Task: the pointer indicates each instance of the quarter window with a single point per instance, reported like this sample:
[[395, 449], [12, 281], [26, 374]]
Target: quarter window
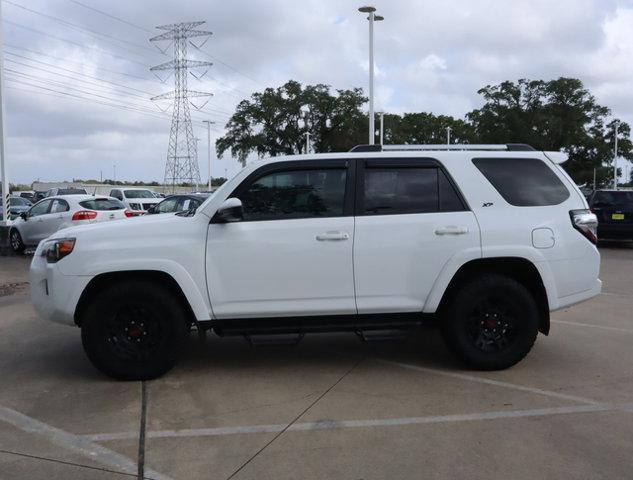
[[59, 206], [523, 182], [295, 194]]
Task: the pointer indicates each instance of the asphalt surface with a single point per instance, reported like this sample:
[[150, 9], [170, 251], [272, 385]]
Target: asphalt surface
[[331, 407]]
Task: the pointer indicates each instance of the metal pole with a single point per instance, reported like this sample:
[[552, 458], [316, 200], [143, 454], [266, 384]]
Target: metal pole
[[594, 179], [208, 122], [372, 132], [382, 130], [448, 135], [3, 160], [307, 134], [114, 168], [615, 157]]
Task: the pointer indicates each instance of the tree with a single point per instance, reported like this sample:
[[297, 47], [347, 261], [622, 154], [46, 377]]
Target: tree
[[272, 122], [553, 115], [426, 128]]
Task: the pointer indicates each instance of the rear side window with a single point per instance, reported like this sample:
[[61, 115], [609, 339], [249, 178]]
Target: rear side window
[[523, 182], [295, 194], [397, 190], [102, 204]]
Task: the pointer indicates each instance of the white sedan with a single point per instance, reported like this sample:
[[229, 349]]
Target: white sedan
[[54, 213]]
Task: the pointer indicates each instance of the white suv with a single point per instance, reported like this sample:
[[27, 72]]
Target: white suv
[[486, 239], [137, 200]]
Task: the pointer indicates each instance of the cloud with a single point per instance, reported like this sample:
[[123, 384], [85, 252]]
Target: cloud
[[431, 56]]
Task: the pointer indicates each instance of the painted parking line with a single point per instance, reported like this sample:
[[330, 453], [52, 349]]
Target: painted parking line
[[489, 381], [603, 327], [341, 424], [77, 443]]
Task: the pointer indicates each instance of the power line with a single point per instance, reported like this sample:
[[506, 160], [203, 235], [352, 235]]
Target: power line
[[70, 71], [80, 63], [94, 33], [72, 42], [111, 16]]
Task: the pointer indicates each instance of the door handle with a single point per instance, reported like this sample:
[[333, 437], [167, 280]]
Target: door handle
[[332, 236], [451, 230]]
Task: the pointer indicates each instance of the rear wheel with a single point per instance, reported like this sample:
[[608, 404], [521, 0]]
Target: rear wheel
[[134, 330], [15, 239], [491, 322]]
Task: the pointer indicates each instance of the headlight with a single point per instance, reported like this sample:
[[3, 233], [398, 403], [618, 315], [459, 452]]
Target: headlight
[[55, 250]]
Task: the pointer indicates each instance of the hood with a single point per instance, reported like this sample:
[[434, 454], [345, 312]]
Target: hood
[[142, 226]]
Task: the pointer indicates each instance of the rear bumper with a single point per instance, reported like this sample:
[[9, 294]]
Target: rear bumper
[[568, 300], [619, 231]]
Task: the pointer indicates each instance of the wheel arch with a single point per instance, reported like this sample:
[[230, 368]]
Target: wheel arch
[[104, 279], [518, 268]]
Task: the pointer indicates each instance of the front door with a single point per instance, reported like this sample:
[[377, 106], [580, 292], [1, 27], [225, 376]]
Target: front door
[[410, 222], [291, 254], [33, 228]]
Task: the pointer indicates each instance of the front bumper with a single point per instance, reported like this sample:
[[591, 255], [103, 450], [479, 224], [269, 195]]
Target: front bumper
[[53, 294]]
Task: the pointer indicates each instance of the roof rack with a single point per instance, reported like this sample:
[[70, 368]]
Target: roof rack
[[507, 147]]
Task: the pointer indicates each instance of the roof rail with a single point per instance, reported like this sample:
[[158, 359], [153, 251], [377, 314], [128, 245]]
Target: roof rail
[[508, 147]]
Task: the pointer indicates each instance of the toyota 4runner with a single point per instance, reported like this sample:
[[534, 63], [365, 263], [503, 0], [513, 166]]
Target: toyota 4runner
[[485, 239]]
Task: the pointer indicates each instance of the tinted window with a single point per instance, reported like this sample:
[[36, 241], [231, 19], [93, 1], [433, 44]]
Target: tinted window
[[450, 201], [390, 191], [139, 194], [295, 194], [59, 206], [40, 208], [621, 199], [102, 204], [523, 182], [71, 191]]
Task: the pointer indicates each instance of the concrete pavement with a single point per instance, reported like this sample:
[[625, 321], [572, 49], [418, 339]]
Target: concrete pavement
[[330, 407]]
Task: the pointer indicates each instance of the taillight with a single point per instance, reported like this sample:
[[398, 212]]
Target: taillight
[[128, 214], [84, 215], [586, 223]]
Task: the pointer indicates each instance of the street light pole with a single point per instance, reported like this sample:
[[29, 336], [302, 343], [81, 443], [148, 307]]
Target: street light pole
[[209, 123], [448, 135], [307, 134], [372, 17], [3, 160], [615, 157], [382, 129]]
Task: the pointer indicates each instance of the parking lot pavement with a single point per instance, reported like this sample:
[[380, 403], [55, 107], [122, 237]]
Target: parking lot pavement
[[330, 407]]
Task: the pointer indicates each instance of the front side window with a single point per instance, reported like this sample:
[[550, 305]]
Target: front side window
[[40, 208], [295, 194], [523, 182], [167, 206]]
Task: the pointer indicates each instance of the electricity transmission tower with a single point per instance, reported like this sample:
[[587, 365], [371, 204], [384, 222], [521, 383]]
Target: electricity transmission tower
[[182, 153]]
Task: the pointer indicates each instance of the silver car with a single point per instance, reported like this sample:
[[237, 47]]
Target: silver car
[[54, 213]]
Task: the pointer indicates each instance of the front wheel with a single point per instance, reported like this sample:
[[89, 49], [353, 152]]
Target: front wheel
[[134, 330], [15, 239], [491, 322]]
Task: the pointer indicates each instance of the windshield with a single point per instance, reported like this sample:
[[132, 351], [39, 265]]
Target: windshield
[[139, 194], [102, 204], [613, 199]]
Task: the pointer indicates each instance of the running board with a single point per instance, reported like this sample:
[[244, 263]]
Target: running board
[[274, 339], [318, 324]]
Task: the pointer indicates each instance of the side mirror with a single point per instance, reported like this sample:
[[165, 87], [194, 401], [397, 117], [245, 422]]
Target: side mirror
[[229, 211], [24, 216], [151, 209]]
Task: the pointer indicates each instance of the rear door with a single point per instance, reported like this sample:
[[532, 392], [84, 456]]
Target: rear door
[[59, 216], [291, 255], [410, 220]]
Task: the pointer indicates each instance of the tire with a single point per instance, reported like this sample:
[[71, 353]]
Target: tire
[[134, 330], [491, 322], [15, 240]]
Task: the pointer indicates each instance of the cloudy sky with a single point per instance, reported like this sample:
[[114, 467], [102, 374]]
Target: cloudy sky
[[77, 80]]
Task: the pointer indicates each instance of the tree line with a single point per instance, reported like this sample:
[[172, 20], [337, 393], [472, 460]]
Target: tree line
[[558, 114]]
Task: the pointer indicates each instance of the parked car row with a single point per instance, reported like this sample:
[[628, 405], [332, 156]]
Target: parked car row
[[33, 223]]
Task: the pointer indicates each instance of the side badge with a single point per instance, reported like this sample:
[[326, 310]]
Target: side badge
[[488, 204]]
